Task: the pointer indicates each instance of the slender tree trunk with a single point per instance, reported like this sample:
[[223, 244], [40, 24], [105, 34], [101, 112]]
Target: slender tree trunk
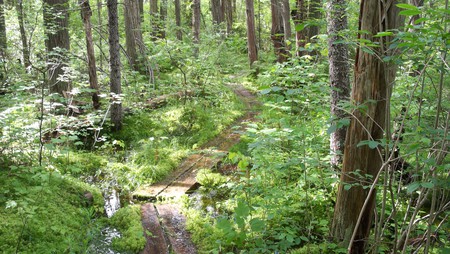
[[277, 31], [196, 25], [299, 18], [216, 11], [313, 14], [339, 74], [23, 35], [2, 29], [179, 32], [228, 12], [114, 54], [100, 25], [163, 17], [155, 20], [56, 20], [86, 14], [286, 14], [371, 87], [251, 37]]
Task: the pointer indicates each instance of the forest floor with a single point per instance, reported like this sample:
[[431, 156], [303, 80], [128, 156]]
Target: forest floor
[[164, 224]]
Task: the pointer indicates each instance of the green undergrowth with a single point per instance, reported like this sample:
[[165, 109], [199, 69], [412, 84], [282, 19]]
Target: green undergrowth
[[128, 221], [44, 212], [280, 196]]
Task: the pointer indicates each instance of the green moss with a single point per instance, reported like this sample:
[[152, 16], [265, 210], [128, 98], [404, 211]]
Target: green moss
[[128, 221], [78, 163], [42, 212]]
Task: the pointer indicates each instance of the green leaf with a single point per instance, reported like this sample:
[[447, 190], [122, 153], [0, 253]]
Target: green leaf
[[409, 12], [427, 185], [407, 6], [373, 144], [412, 187], [257, 225], [347, 187], [382, 34], [242, 209]]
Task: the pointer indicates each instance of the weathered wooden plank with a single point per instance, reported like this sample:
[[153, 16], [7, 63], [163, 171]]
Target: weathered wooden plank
[[175, 227], [156, 242]]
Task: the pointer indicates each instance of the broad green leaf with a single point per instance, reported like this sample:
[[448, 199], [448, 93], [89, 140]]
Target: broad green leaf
[[409, 12], [382, 34], [412, 187], [427, 185], [257, 225], [242, 210], [407, 6]]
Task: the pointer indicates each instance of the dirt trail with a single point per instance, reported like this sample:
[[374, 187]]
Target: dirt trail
[[163, 224]]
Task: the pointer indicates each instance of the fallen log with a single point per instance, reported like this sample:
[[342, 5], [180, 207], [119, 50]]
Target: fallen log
[[162, 100]]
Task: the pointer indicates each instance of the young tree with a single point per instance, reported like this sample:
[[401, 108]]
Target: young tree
[[23, 35], [277, 31], [86, 14], [371, 94], [228, 12], [216, 12], [2, 30], [178, 20], [196, 24], [286, 15], [114, 55], [56, 20], [305, 13], [163, 17], [251, 37], [339, 73], [133, 34]]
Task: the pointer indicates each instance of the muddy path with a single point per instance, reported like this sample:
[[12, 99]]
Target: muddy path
[[163, 223]]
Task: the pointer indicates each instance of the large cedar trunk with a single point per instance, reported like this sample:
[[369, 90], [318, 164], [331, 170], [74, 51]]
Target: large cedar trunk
[[339, 74], [251, 37], [371, 88], [286, 14], [23, 35], [56, 20], [216, 11], [228, 14], [277, 31], [86, 14], [114, 55]]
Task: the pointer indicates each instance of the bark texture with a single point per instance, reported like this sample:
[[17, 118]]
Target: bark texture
[[2, 29], [163, 17], [196, 24], [23, 34], [56, 20], [251, 36], [339, 73], [228, 12], [371, 88], [217, 11], [86, 14], [114, 55], [133, 34], [178, 20], [277, 31]]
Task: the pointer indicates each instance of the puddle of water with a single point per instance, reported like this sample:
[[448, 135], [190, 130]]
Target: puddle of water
[[102, 245]]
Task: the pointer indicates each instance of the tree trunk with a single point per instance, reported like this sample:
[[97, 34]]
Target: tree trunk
[[277, 31], [133, 34], [56, 20], [2, 29], [86, 14], [216, 11], [339, 74], [371, 88], [251, 37], [313, 14], [154, 19], [196, 25], [228, 13], [179, 32], [141, 10], [23, 35], [114, 55], [100, 25], [163, 17], [299, 17], [286, 14]]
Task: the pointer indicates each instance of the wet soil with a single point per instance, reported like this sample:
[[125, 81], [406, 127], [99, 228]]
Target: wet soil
[[164, 224]]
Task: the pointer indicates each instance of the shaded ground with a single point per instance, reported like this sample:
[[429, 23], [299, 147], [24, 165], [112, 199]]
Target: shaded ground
[[164, 225]]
